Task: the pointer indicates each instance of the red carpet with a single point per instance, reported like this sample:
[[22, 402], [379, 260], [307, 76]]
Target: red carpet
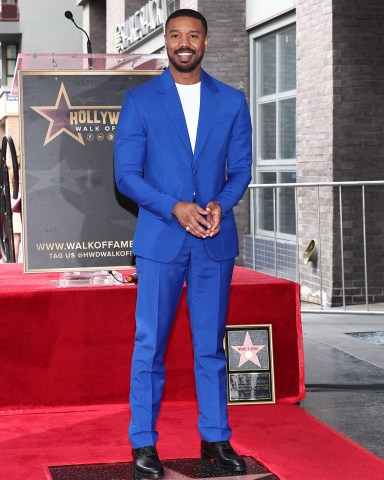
[[284, 438], [73, 346]]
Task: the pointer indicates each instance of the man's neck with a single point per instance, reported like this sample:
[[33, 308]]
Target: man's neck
[[185, 78]]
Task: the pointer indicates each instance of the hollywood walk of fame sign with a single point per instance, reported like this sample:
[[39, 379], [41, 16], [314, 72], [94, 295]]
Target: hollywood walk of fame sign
[[73, 217], [250, 374]]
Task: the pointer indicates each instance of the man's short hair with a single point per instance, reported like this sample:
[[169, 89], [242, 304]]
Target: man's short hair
[[188, 12]]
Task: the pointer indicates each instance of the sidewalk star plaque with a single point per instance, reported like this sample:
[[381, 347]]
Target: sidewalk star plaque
[[250, 374]]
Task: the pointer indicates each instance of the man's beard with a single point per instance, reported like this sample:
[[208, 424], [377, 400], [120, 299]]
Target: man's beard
[[186, 68]]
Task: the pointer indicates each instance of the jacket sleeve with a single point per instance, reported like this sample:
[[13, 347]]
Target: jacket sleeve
[[130, 159], [239, 160]]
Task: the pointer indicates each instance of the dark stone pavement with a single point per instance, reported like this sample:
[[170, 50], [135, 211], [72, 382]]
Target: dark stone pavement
[[344, 375]]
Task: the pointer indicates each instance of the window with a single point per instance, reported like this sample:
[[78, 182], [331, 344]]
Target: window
[[282, 198], [275, 129], [9, 11], [10, 63], [173, 5]]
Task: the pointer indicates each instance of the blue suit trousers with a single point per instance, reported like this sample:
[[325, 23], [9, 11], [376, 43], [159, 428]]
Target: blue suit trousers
[[159, 289]]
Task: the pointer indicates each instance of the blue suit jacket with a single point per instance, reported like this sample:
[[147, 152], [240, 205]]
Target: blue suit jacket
[[155, 166]]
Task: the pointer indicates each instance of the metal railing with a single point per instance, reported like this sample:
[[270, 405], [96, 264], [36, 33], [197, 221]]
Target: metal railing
[[315, 189]]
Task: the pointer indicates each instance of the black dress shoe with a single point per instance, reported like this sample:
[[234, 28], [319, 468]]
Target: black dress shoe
[[223, 454], [147, 463]]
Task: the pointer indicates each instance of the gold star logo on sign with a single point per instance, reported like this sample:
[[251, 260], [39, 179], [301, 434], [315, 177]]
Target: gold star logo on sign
[[63, 117], [58, 117]]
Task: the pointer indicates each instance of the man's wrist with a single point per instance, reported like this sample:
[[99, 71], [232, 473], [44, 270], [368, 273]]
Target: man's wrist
[[174, 208], [215, 202]]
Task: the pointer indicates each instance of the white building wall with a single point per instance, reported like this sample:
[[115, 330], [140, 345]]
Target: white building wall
[[115, 15], [189, 4], [45, 29], [258, 11]]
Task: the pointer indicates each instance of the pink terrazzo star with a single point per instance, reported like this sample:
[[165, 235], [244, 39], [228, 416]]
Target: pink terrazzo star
[[248, 351]]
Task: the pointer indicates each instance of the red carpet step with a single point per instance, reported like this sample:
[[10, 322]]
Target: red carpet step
[[73, 346], [285, 439]]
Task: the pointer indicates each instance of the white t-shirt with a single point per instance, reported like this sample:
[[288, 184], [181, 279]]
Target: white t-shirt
[[190, 100]]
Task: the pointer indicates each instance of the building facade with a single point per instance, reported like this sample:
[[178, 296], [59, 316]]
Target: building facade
[[35, 28], [318, 109], [312, 73]]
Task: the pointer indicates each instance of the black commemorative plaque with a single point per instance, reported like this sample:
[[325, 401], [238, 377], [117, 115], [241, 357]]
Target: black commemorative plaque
[[250, 374]]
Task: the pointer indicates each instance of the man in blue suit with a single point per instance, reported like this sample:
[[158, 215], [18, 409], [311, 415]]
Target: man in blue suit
[[183, 153]]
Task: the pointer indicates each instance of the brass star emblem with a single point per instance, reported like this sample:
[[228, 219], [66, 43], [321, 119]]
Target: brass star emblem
[[58, 117]]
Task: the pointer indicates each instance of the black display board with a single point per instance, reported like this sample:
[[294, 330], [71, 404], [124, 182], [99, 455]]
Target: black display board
[[73, 217]]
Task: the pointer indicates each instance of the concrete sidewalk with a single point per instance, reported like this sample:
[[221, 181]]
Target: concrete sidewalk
[[344, 376]]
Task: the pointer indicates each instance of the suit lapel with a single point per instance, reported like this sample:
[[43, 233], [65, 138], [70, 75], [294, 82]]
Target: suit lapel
[[209, 104], [171, 102]]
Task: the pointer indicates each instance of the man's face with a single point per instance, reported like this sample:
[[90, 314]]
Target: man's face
[[186, 42]]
